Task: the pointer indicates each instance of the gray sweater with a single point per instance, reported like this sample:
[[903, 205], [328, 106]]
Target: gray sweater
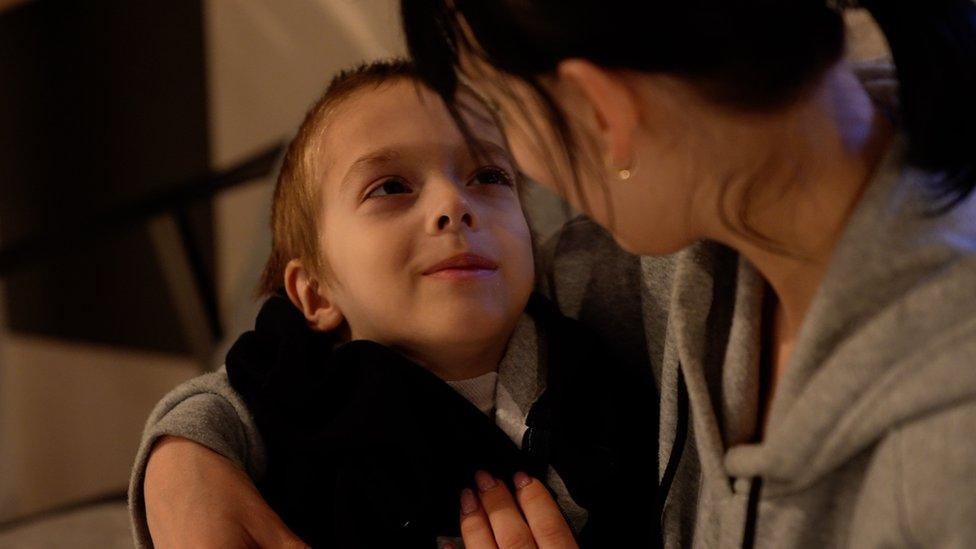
[[871, 439]]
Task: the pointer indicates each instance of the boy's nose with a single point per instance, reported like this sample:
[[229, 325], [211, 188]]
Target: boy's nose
[[445, 221], [451, 213]]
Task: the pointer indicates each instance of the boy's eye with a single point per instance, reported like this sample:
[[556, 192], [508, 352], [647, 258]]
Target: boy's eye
[[389, 187], [493, 176]]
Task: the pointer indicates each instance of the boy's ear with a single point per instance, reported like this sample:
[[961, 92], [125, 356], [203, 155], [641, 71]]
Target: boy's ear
[[313, 299]]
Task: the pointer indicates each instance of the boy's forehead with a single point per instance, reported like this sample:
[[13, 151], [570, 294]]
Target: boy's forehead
[[404, 115]]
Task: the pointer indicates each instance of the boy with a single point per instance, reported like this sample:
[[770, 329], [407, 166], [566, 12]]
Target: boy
[[401, 349]]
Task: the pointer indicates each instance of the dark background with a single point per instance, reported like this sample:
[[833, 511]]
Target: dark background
[[102, 103]]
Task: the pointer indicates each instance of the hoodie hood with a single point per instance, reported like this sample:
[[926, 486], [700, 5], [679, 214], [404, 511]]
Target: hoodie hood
[[885, 337]]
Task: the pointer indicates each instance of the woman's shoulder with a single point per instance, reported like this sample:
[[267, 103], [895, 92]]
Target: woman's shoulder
[[583, 257], [582, 261]]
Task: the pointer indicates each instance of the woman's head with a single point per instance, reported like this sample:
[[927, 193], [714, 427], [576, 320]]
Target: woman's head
[[385, 223], [737, 60]]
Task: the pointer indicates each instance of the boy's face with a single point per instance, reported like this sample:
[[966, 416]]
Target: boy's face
[[424, 245]]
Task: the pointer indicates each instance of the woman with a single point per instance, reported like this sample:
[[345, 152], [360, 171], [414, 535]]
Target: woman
[[820, 305], [807, 276]]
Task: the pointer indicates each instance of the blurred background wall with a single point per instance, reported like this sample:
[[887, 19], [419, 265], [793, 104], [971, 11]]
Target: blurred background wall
[[109, 108], [109, 103]]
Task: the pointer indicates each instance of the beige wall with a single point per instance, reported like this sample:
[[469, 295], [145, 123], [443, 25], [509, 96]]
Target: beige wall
[[864, 38], [70, 418]]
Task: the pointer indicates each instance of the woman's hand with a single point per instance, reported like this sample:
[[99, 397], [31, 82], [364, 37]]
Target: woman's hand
[[493, 518], [198, 498]]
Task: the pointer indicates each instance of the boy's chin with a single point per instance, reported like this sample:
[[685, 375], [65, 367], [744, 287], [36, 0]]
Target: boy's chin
[[463, 322]]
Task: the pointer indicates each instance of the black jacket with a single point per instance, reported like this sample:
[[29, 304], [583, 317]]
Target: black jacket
[[368, 449]]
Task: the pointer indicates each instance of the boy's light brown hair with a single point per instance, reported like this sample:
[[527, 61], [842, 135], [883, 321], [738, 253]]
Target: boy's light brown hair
[[296, 204]]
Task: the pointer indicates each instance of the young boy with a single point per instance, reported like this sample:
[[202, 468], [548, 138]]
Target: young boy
[[401, 348]]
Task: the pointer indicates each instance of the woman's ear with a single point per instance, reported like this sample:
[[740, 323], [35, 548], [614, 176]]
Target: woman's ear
[[313, 299], [613, 103]]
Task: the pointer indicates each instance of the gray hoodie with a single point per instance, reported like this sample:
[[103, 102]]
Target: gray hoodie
[[871, 440]]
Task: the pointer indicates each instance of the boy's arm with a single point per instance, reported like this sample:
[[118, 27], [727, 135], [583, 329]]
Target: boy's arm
[[208, 412]]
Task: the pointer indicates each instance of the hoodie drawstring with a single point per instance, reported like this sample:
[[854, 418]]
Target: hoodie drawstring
[[752, 513], [680, 436]]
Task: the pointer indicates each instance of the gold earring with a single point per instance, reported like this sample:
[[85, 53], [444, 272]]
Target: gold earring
[[626, 172], [622, 173]]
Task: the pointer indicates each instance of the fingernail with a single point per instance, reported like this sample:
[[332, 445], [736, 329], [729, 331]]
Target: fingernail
[[484, 481], [469, 503], [522, 480]]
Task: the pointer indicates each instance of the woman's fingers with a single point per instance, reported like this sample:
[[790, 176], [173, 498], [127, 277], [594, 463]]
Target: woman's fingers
[[546, 522], [475, 527], [507, 523], [494, 518]]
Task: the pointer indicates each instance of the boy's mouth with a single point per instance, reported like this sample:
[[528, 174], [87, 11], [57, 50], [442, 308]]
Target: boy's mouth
[[466, 265]]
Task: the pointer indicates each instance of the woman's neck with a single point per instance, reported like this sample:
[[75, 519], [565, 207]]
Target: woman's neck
[[827, 149]]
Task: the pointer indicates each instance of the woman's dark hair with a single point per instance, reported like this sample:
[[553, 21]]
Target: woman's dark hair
[[750, 54]]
